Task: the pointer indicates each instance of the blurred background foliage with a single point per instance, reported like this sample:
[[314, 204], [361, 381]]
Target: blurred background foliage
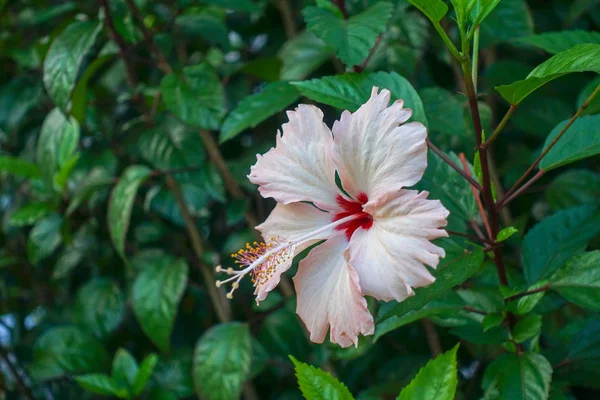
[[127, 129]]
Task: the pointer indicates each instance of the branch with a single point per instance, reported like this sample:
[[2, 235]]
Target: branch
[[556, 139], [507, 199], [363, 64], [287, 17], [470, 237], [499, 128], [527, 293], [220, 304], [474, 310], [341, 4], [451, 163], [477, 199], [433, 339], [21, 386]]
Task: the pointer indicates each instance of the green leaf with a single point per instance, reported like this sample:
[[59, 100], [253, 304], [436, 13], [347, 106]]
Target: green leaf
[[205, 26], [581, 140], [581, 58], [67, 350], [254, 109], [578, 280], [527, 303], [18, 167], [593, 106], [100, 306], [316, 384], [492, 320], [64, 59], [195, 96], [237, 5], [447, 185], [301, 56], [506, 233], [156, 294], [555, 42], [435, 381], [523, 376], [450, 273], [351, 39], [17, 99], [30, 214], [124, 368], [447, 305], [97, 179], [44, 238], [552, 242], [505, 20], [351, 90], [444, 111], [58, 141], [578, 8], [175, 374], [101, 384], [482, 9], [121, 204], [79, 96], [144, 373], [574, 188], [527, 327], [222, 361], [433, 9]]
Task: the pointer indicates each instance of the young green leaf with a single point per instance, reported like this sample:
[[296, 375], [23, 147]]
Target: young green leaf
[[552, 242], [222, 361], [527, 327], [435, 381], [492, 320], [195, 96], [506, 233], [433, 9], [581, 58], [523, 376], [44, 238], [156, 294], [580, 141], [143, 376], [351, 90], [57, 143], [64, 58], [555, 42], [351, 39], [30, 214], [101, 384], [121, 204], [257, 107], [100, 307], [578, 280], [19, 167], [450, 273], [317, 384], [124, 368]]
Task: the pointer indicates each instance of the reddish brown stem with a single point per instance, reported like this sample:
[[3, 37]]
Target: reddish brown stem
[[556, 139], [527, 293], [341, 4], [474, 310], [507, 199], [467, 236], [477, 199], [452, 164], [361, 67]]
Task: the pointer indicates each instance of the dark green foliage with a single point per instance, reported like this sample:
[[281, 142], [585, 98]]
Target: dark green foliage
[[127, 133]]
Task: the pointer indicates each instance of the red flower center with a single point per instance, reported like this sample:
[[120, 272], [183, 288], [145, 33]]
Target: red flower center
[[353, 207]]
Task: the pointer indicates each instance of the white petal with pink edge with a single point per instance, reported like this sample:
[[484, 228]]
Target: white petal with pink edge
[[329, 295], [291, 221], [300, 166], [400, 239], [373, 153]]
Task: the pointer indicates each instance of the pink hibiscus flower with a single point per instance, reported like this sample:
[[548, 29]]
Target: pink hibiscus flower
[[376, 233]]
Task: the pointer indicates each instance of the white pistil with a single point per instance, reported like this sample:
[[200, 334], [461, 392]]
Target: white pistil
[[278, 250]]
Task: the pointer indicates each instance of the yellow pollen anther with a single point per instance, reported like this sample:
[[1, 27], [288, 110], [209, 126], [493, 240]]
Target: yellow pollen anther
[[229, 296], [218, 283], [218, 268]]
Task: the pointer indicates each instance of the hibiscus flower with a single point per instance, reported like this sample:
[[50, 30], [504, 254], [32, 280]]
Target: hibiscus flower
[[374, 235]]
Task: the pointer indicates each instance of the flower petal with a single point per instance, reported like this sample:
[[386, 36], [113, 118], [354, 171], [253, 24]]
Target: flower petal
[[375, 155], [300, 166], [398, 244], [291, 221], [329, 295]]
